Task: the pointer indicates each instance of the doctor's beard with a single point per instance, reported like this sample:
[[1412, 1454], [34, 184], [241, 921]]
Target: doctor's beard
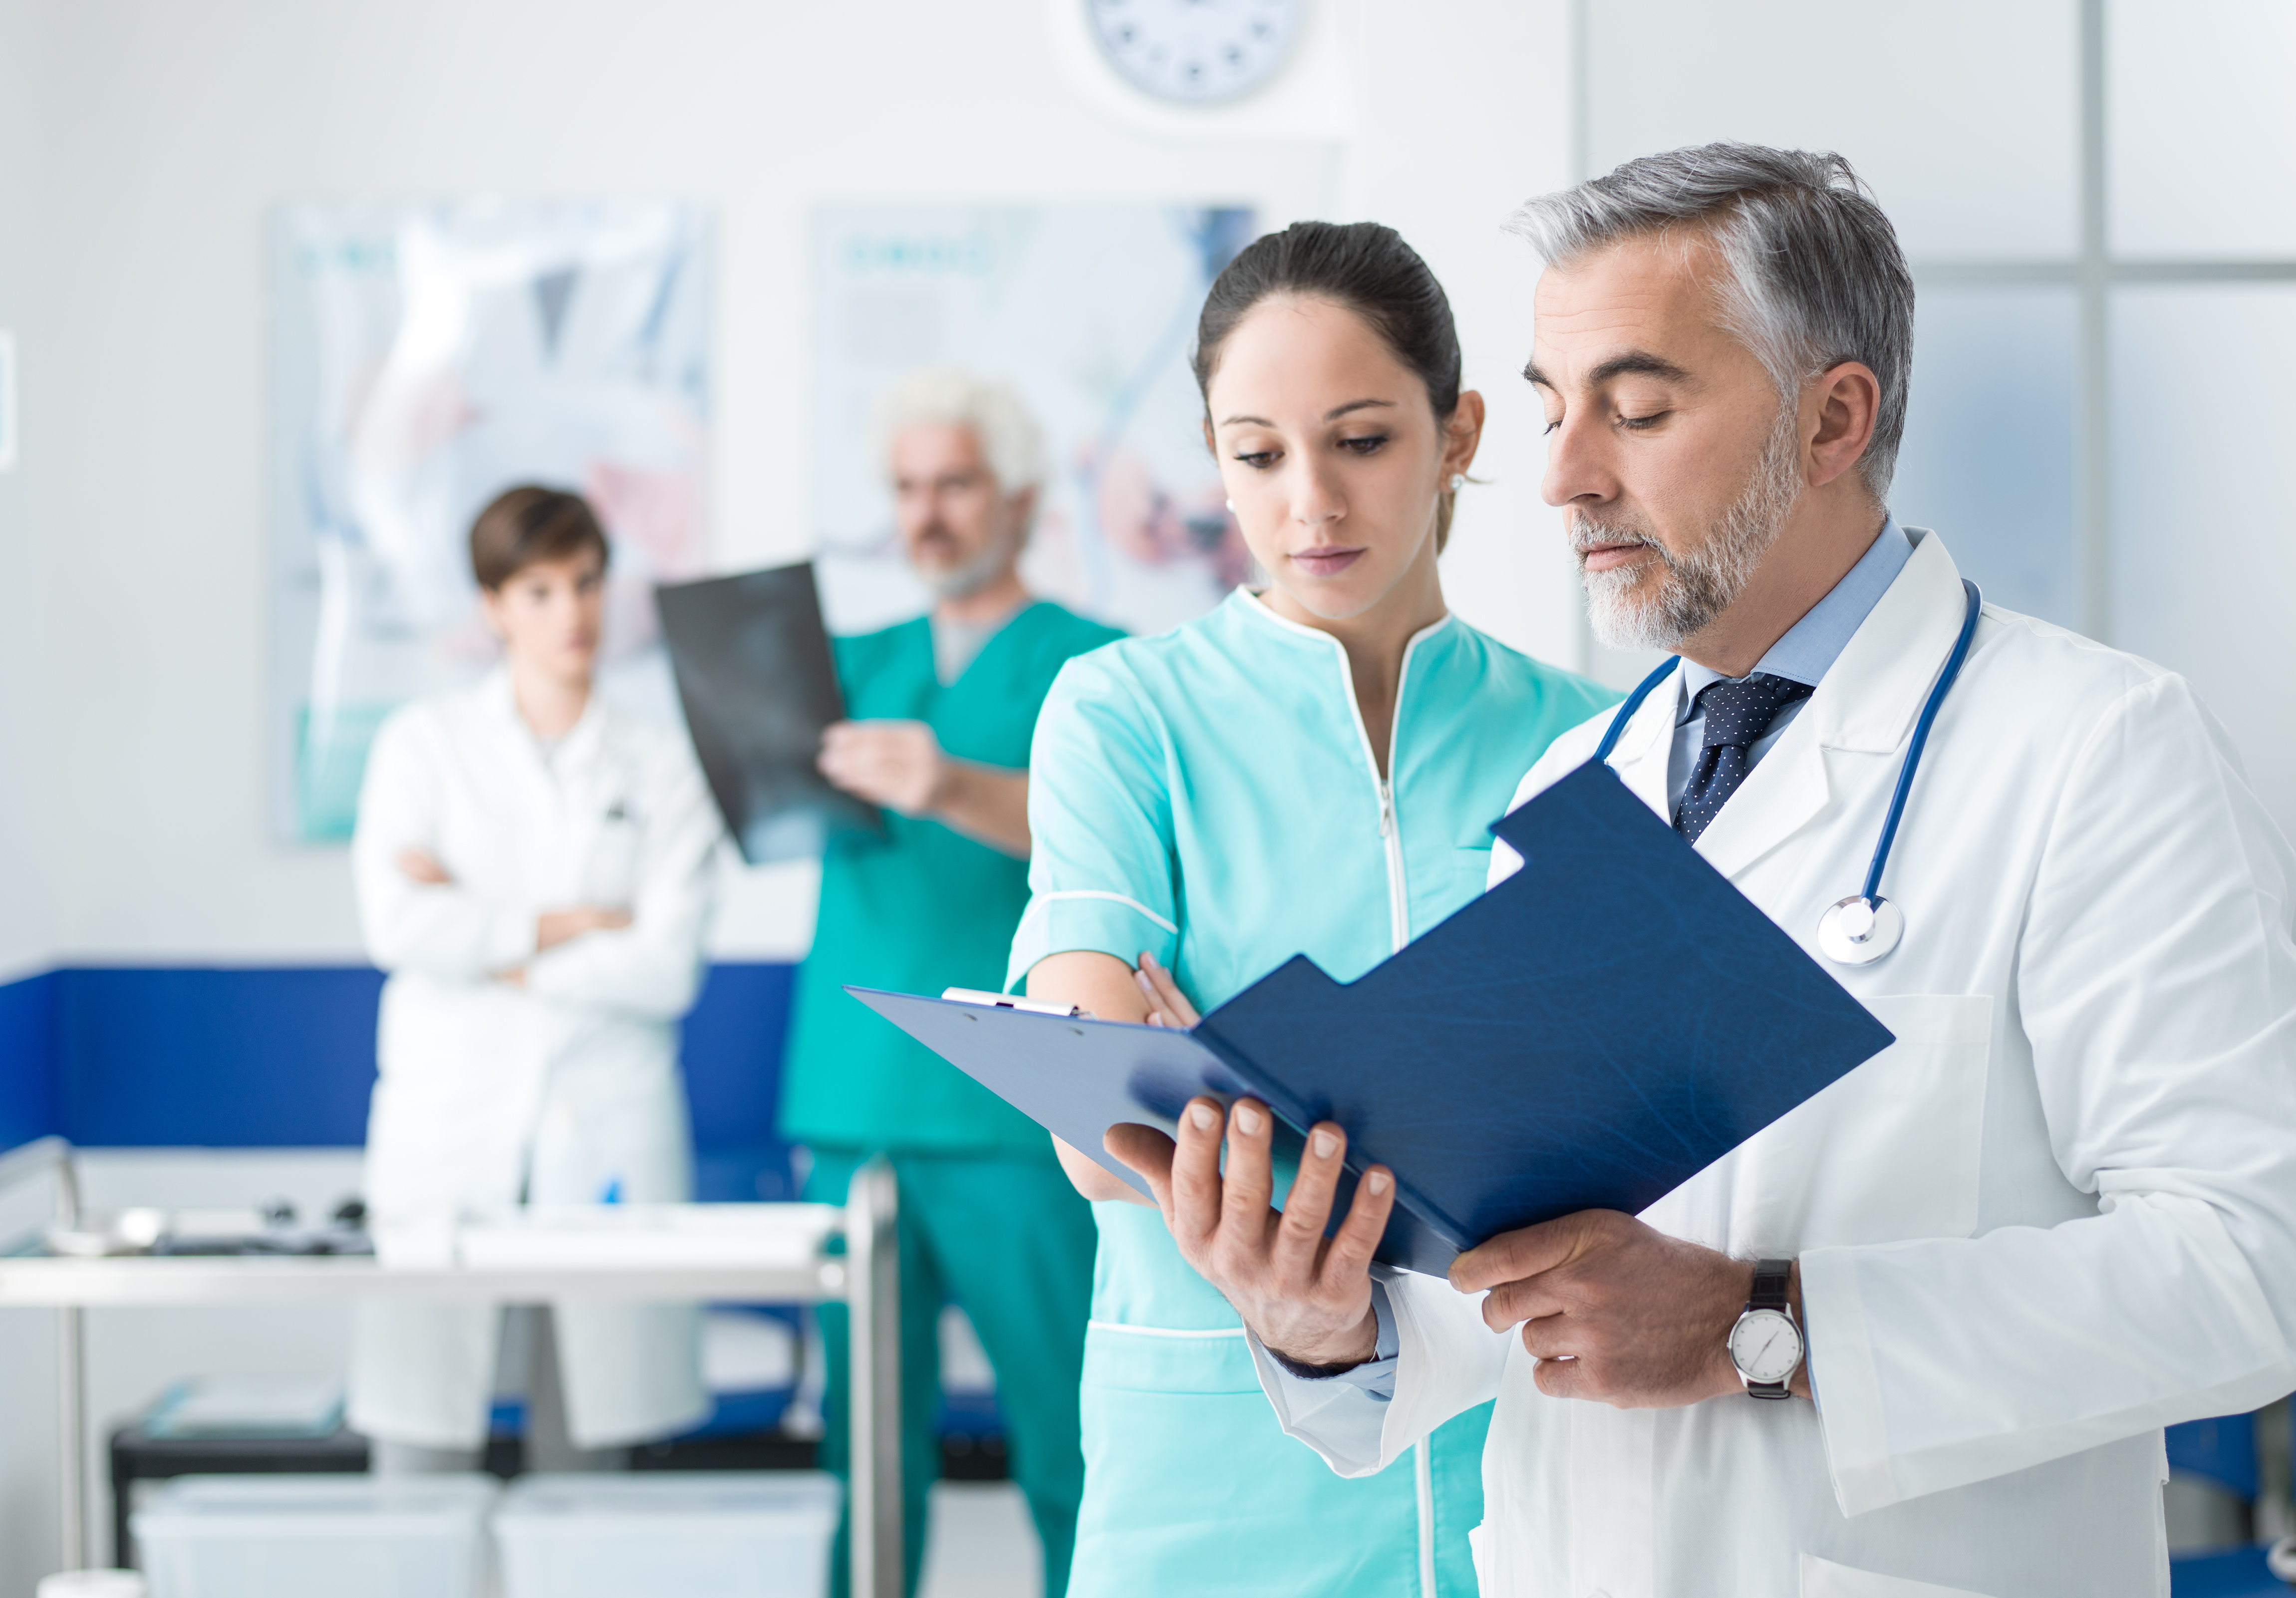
[[961, 579], [1698, 585]]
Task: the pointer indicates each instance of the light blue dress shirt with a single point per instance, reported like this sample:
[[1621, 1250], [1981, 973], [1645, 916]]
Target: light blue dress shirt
[[1805, 654], [1808, 649]]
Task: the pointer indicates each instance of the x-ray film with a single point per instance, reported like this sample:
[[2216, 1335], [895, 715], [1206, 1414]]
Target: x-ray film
[[758, 684]]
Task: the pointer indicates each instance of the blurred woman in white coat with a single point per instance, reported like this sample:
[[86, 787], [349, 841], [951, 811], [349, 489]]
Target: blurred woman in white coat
[[533, 870]]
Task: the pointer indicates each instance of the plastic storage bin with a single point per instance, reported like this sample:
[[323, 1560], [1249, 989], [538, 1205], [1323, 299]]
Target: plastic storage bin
[[316, 1537], [668, 1534]]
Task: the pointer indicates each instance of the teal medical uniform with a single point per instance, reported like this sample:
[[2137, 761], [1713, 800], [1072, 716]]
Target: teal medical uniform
[[987, 1217], [1210, 796]]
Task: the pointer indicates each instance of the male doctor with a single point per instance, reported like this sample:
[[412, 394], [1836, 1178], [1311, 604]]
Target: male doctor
[[1981, 1273]]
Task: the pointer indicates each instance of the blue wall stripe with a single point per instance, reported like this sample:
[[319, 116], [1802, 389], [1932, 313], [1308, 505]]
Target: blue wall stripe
[[27, 1060], [250, 1058], [284, 1057]]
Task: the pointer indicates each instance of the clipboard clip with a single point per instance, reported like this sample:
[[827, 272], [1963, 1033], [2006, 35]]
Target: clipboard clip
[[1005, 1001]]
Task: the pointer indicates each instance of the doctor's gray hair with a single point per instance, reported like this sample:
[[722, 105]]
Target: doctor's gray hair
[[1009, 438], [1815, 275]]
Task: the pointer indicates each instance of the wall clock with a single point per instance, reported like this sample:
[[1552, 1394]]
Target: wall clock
[[1196, 52]]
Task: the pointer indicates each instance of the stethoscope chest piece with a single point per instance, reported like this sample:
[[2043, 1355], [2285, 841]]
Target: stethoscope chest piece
[[1858, 930]]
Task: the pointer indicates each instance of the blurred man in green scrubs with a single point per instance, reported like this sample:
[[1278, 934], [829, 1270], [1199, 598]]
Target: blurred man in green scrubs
[[942, 710]]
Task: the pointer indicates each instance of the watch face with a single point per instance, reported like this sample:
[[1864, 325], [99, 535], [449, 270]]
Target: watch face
[[1764, 1345], [1196, 50]]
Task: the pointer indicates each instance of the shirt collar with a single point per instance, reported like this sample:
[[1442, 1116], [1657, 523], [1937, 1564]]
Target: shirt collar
[[1812, 644]]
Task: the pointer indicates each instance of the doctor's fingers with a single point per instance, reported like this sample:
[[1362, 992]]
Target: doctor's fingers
[[1532, 1300], [1149, 1153], [1250, 1178], [1565, 1376], [1559, 1336], [1519, 1255], [1196, 1210], [1347, 1260], [1298, 1245]]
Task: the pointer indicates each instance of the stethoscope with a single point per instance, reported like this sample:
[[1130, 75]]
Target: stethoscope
[[1861, 929]]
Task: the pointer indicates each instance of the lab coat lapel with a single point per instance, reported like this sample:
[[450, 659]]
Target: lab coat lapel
[[585, 742], [1866, 706], [1644, 749]]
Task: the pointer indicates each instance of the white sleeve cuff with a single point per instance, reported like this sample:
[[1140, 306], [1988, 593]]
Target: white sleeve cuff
[[1341, 1417]]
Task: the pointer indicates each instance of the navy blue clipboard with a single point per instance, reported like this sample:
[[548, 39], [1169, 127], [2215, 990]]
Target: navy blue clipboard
[[1591, 1034]]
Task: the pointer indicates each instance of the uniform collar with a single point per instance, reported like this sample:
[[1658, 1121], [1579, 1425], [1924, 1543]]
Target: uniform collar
[[1244, 601]]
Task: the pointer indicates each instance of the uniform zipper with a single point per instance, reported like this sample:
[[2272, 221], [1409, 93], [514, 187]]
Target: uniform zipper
[[1390, 831], [1422, 1481], [1399, 900], [1399, 931]]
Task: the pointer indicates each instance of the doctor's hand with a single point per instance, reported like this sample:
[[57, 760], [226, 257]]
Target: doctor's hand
[[901, 765], [1615, 1310], [896, 763], [554, 927], [1306, 1296], [420, 865]]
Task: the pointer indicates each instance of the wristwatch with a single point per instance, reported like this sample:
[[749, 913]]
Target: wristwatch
[[1765, 1343]]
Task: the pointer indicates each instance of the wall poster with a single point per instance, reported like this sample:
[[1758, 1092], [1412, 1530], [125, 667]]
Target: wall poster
[[426, 357], [1089, 312]]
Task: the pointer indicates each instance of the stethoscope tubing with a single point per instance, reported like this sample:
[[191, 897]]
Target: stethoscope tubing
[[1953, 664]]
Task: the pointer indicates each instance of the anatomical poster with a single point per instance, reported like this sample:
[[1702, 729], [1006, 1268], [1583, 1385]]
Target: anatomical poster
[[1088, 311], [426, 357]]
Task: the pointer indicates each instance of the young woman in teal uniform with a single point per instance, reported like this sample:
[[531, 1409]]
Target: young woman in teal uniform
[[1311, 768]]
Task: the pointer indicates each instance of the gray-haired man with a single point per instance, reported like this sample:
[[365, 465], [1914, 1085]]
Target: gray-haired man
[[943, 708], [2057, 1214]]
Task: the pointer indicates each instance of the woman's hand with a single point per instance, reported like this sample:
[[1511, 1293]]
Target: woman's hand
[[1168, 1006], [1307, 1297], [554, 927], [420, 865]]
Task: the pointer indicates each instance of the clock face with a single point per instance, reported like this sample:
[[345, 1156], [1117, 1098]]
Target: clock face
[[1196, 51]]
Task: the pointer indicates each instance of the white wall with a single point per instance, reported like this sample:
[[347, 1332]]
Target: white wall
[[170, 128], [25, 667]]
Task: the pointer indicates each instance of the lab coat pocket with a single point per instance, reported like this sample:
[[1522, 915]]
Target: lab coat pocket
[[1888, 1152], [1823, 1579]]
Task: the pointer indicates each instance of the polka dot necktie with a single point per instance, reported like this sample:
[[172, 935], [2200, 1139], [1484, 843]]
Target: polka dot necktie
[[1737, 715]]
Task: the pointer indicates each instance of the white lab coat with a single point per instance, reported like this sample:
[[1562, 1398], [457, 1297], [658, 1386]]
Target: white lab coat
[[559, 1092], [2059, 1214]]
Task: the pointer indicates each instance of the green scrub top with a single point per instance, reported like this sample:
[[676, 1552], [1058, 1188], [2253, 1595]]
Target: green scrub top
[[923, 907], [1210, 796]]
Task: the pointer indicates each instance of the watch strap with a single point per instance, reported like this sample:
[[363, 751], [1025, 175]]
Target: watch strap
[[1772, 1277]]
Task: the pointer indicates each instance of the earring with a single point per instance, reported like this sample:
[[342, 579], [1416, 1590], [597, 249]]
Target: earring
[[1230, 505], [1458, 481]]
